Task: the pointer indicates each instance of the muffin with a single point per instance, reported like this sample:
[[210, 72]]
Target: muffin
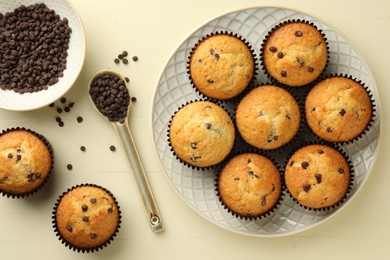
[[318, 176], [86, 217], [338, 109], [221, 66], [201, 134], [268, 117], [295, 53], [249, 185], [26, 161]]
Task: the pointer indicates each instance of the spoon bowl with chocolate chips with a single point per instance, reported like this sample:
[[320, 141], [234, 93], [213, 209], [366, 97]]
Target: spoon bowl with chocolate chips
[[109, 95]]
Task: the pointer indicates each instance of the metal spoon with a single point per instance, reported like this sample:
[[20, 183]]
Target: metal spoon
[[128, 145]]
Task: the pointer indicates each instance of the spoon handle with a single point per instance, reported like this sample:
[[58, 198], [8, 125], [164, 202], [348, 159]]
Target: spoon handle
[[141, 179]]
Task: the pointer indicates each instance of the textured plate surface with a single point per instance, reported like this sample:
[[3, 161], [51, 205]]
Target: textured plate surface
[[13, 101], [197, 188]]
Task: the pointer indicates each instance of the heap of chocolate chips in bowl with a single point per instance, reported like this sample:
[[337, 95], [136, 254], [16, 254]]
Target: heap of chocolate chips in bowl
[[111, 97], [34, 41]]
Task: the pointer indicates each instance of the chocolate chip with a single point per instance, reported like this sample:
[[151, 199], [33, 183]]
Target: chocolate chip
[[276, 137], [341, 170], [216, 56], [263, 200], [261, 113], [31, 177], [280, 55], [18, 157], [135, 58], [110, 210], [93, 236], [59, 110], [320, 151], [300, 62], [250, 172], [124, 53], [69, 228], [318, 177], [71, 104], [84, 208], [127, 79], [304, 165], [211, 52], [329, 129], [61, 124], [342, 112], [58, 119], [283, 73], [249, 160], [120, 56], [208, 125], [93, 200], [273, 49], [10, 156], [80, 119], [298, 33], [313, 109], [291, 163], [236, 178], [69, 166], [194, 146], [210, 81], [85, 218], [307, 187], [116, 60], [125, 61], [310, 69], [288, 117], [51, 105], [133, 99], [82, 148], [66, 109]]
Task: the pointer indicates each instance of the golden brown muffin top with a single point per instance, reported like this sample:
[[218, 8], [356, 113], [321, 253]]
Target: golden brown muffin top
[[268, 117], [25, 161], [317, 176], [295, 53], [249, 185], [202, 134], [338, 109], [87, 216], [221, 66]]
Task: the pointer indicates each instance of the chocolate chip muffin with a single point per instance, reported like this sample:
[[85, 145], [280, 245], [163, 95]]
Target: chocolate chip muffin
[[268, 117], [86, 217], [318, 176], [221, 66], [295, 53], [249, 185], [338, 109], [201, 134], [26, 161]]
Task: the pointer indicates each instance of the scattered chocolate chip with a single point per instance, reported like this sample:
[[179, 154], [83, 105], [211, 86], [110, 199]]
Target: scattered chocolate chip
[[93, 200], [273, 49], [250, 172], [310, 69], [58, 119], [249, 160], [84, 208], [342, 112], [127, 79], [211, 51], [82, 148], [120, 56], [80, 119], [10, 156], [116, 60], [112, 148], [298, 33], [61, 124], [280, 55], [69, 228], [51, 105], [276, 137], [18, 157], [263, 200], [236, 178], [125, 61], [67, 109], [307, 187], [283, 73], [71, 104], [110, 210], [59, 110], [210, 81], [193, 146], [341, 170], [124, 53], [291, 163], [200, 61], [93, 236], [304, 165], [216, 56], [329, 129], [31, 177], [313, 109], [261, 113], [300, 62], [85, 218], [133, 99], [208, 125], [135, 58], [320, 151], [288, 117], [69, 166], [318, 177], [63, 100]]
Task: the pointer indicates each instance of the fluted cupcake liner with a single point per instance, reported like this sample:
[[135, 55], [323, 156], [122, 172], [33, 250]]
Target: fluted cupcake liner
[[373, 108], [195, 167], [11, 194], [272, 30], [75, 247], [242, 39], [351, 179], [276, 205]]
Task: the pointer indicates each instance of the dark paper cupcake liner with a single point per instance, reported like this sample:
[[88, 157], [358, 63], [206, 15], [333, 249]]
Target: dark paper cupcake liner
[[50, 148], [373, 108], [84, 249], [267, 74], [351, 180], [254, 57], [277, 165], [169, 139]]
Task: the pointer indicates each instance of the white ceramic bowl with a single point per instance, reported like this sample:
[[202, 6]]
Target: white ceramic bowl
[[11, 100]]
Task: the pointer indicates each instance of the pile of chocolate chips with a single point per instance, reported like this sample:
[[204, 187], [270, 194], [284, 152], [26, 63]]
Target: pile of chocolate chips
[[111, 97], [33, 48]]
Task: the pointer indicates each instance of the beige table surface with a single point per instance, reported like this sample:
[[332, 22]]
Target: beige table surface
[[152, 30]]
